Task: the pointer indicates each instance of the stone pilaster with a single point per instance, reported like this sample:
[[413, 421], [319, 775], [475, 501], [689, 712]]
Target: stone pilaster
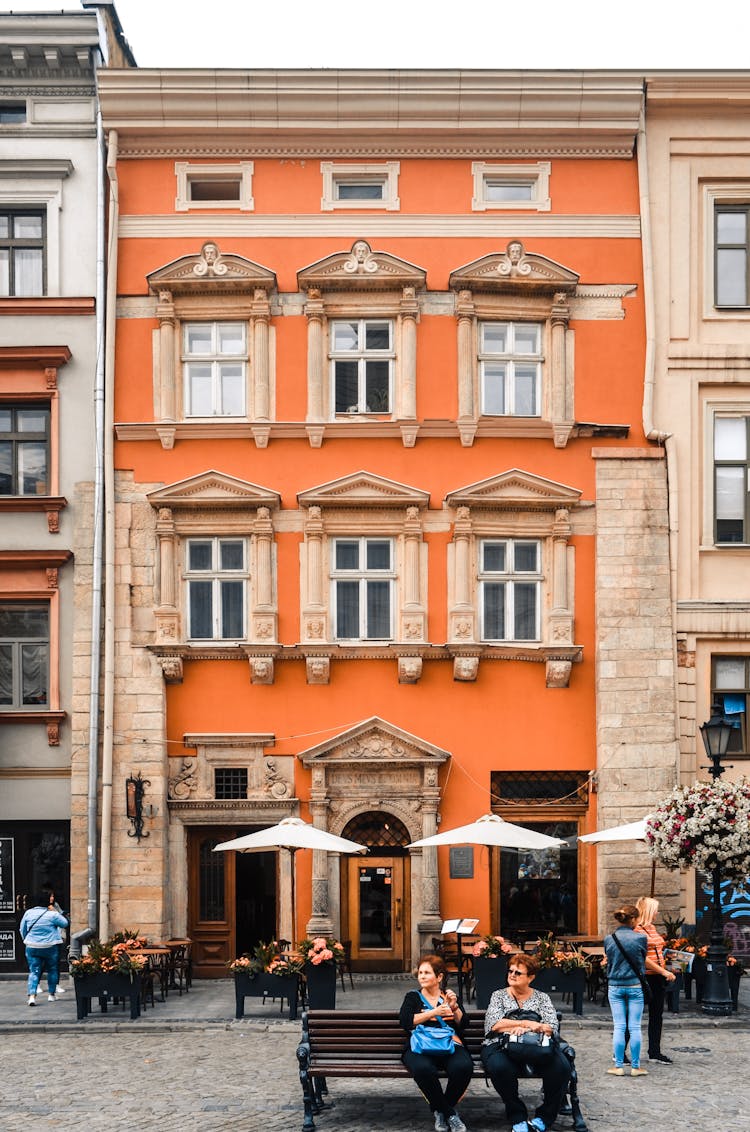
[[637, 748]]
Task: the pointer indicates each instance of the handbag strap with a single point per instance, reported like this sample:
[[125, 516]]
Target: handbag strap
[[440, 1021], [626, 957], [36, 921]]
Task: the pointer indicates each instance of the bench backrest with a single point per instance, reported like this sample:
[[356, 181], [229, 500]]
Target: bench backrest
[[372, 1035]]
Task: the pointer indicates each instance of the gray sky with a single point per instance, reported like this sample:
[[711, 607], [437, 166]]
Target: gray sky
[[430, 33]]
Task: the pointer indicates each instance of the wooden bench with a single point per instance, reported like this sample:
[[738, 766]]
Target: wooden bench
[[338, 1043]]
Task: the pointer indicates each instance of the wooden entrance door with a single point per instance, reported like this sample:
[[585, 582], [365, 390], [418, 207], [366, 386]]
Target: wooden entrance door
[[211, 919], [377, 912]]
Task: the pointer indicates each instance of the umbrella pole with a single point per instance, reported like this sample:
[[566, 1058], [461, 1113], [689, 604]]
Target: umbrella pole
[[292, 851]]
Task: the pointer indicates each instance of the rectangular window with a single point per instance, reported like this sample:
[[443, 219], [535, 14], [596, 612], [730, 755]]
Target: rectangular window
[[731, 262], [12, 113], [362, 359], [230, 782], [22, 247], [731, 479], [215, 363], [363, 578], [510, 362], [204, 189], [214, 185], [24, 656], [216, 577], [730, 686], [511, 186], [510, 586], [24, 449], [360, 186]]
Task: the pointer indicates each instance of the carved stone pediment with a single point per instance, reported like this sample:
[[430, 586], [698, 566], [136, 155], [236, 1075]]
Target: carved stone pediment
[[213, 490], [514, 270], [363, 489], [361, 269], [516, 489], [373, 740], [210, 271]]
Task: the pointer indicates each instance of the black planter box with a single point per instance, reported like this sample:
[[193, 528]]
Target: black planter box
[[107, 987], [320, 986], [265, 985], [489, 975]]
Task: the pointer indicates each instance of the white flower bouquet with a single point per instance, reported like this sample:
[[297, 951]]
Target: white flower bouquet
[[704, 826]]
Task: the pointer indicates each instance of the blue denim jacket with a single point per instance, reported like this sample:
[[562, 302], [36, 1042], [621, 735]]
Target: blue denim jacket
[[619, 971], [43, 927]]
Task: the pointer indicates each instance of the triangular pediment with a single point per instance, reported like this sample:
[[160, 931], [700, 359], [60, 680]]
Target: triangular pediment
[[361, 269], [374, 740], [515, 489], [214, 490], [363, 489], [514, 270], [209, 271]]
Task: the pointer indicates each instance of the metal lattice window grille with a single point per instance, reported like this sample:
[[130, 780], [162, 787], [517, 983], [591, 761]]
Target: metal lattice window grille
[[230, 782], [539, 788], [377, 830]]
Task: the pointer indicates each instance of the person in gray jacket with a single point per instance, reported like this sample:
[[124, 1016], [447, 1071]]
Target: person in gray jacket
[[40, 932], [625, 950]]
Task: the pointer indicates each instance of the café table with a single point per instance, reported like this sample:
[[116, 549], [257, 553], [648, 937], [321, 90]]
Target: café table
[[158, 960]]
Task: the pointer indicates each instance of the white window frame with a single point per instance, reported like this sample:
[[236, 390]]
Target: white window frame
[[510, 577], [216, 575], [361, 356], [38, 184], [187, 171], [728, 413], [727, 193], [335, 173], [362, 575], [510, 360], [213, 359], [536, 174]]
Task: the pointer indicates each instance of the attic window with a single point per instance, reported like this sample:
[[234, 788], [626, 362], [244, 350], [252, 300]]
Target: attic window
[[12, 113], [214, 186], [523, 187], [360, 186]]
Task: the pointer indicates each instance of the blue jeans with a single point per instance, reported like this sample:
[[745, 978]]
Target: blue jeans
[[626, 1004], [38, 958]]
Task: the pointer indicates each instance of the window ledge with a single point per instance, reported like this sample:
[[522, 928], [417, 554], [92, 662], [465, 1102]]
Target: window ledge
[[47, 305], [53, 719], [52, 504]]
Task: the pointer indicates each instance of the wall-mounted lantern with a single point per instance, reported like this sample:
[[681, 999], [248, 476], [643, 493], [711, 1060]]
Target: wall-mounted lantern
[[135, 788]]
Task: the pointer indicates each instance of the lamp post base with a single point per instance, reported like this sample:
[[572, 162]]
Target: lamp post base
[[717, 999]]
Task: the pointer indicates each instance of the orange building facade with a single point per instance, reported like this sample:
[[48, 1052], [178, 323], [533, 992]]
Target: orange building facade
[[388, 548]]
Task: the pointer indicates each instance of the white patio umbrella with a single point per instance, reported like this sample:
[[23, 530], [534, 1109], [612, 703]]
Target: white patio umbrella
[[491, 830], [291, 834], [632, 831]]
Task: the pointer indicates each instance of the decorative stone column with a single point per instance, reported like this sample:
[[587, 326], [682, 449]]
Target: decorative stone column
[[315, 312], [261, 364], [413, 626], [320, 922], [462, 614], [430, 921], [409, 310], [264, 614], [167, 392], [467, 422], [314, 626], [559, 411], [166, 613]]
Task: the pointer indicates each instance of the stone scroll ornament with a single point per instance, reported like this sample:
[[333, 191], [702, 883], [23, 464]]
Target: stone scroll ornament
[[210, 262], [704, 826]]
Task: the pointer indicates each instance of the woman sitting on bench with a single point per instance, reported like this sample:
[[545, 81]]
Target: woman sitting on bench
[[432, 1017], [513, 1012]]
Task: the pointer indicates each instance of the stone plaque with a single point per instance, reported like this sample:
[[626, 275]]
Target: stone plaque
[[461, 862]]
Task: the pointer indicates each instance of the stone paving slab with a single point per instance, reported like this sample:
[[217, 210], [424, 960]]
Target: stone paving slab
[[245, 1079]]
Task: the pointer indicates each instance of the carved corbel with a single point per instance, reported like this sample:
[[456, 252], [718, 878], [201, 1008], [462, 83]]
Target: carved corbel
[[318, 669], [51, 577], [315, 435], [166, 436], [558, 673], [261, 434], [561, 431], [409, 669], [50, 378], [261, 669], [465, 668], [409, 434], [53, 733], [171, 667]]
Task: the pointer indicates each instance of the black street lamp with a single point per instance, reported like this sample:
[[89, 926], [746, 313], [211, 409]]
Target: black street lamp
[[717, 1000]]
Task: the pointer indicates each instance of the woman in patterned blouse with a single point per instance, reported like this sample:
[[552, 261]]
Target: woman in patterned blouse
[[520, 995]]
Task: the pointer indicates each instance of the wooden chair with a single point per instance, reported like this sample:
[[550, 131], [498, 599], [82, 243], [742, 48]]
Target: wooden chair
[[345, 966]]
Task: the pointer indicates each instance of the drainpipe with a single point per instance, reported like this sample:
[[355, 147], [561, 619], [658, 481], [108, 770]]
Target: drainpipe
[[109, 542], [652, 433], [98, 517]]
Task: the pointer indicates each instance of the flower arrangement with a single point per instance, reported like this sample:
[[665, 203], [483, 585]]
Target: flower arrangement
[[321, 949], [268, 958], [491, 946], [117, 956], [704, 826], [548, 954]]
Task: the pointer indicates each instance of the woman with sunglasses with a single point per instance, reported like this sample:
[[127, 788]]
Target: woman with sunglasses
[[502, 1071]]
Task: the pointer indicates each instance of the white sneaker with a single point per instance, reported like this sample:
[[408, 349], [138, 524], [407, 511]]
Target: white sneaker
[[441, 1124], [51, 998], [455, 1123], [60, 990], [32, 1000]]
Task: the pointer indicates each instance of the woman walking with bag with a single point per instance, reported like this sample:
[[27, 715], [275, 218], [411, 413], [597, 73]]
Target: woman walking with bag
[[625, 950], [434, 1021], [657, 975], [40, 932]]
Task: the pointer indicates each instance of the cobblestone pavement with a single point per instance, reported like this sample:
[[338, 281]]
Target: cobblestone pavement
[[187, 1066]]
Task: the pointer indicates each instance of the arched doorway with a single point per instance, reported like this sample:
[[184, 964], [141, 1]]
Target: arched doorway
[[375, 890]]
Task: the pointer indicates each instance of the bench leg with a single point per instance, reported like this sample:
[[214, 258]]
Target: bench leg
[[308, 1095], [320, 1088]]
